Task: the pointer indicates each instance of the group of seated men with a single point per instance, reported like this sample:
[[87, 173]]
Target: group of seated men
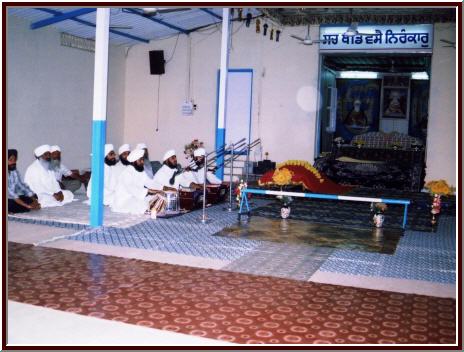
[[47, 182], [130, 186]]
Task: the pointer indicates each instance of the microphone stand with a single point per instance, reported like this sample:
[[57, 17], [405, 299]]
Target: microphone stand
[[204, 219], [231, 178]]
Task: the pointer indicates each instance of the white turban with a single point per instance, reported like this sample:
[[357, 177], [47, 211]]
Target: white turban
[[108, 148], [136, 154], [199, 152], [124, 148], [39, 151], [141, 146], [168, 154], [55, 148]]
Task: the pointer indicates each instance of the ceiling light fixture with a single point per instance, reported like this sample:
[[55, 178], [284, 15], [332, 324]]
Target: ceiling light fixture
[[149, 10], [358, 74], [420, 75]]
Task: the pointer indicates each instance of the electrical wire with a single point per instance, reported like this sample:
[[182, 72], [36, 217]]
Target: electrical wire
[[238, 28], [174, 49], [157, 104], [189, 58]]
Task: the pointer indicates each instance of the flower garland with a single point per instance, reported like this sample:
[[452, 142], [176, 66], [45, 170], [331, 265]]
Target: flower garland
[[304, 164], [379, 208], [238, 191], [282, 176], [191, 147], [440, 187]]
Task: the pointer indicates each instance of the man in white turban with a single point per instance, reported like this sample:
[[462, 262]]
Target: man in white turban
[[132, 195], [67, 179], [122, 164], [146, 160], [199, 174], [169, 175], [109, 181], [42, 180]]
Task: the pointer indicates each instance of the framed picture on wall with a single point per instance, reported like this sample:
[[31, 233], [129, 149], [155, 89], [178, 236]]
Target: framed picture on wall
[[395, 103], [358, 106], [395, 97]]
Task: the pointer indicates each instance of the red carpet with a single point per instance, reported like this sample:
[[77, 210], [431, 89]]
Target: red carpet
[[307, 176], [222, 305]]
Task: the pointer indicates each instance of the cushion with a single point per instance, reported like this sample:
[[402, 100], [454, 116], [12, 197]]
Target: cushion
[[385, 140]]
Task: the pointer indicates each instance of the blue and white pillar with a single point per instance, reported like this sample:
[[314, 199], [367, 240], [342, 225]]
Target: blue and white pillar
[[221, 121], [99, 115]]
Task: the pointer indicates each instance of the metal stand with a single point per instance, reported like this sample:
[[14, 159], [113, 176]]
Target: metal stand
[[231, 177], [247, 163], [204, 219], [244, 203]]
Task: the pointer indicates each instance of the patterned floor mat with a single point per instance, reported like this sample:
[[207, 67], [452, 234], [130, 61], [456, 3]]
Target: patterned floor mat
[[282, 260], [419, 256], [184, 234], [222, 305], [75, 215]]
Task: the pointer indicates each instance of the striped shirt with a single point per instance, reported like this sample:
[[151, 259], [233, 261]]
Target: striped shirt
[[16, 186]]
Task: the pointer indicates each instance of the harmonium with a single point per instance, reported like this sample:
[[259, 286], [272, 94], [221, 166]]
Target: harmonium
[[193, 199]]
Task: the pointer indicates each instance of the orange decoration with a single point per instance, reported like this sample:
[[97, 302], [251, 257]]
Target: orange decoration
[[305, 175]]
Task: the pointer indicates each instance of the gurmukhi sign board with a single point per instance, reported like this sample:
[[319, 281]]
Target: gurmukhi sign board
[[372, 37]]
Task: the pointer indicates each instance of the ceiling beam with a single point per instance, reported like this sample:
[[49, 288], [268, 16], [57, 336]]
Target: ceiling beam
[[64, 16], [166, 24], [208, 11], [90, 24], [215, 23], [380, 16]]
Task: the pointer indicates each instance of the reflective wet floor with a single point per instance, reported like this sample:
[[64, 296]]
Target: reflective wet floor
[[380, 240]]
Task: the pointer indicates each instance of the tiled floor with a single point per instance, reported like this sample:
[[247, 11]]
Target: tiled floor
[[424, 264], [222, 305], [40, 326]]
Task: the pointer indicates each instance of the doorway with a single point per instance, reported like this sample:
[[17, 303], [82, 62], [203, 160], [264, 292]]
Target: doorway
[[361, 93]]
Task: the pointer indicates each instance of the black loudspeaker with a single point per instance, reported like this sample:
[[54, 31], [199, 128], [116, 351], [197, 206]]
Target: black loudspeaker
[[156, 62]]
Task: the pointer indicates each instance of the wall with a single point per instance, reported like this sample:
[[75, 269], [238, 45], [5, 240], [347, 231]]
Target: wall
[[442, 128], [284, 92], [50, 95], [284, 95]]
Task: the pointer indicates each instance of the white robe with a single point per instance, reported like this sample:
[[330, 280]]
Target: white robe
[[189, 177], [109, 185], [131, 196], [61, 171], [43, 183], [164, 174], [211, 178], [118, 169]]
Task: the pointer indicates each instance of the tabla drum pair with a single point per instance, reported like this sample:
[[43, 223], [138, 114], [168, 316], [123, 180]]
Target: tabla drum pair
[[189, 198]]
